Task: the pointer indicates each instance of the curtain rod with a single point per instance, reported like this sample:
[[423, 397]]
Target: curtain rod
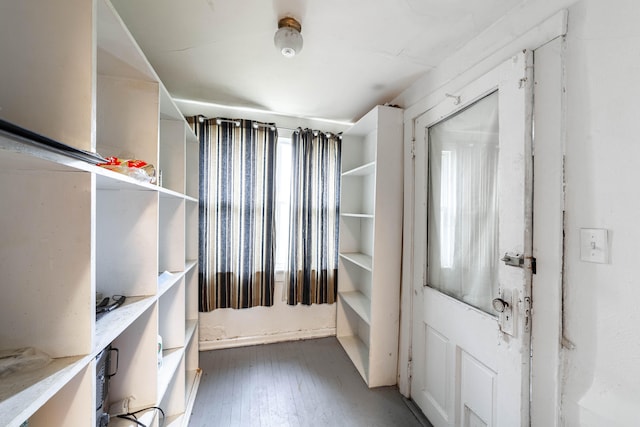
[[255, 123], [272, 126]]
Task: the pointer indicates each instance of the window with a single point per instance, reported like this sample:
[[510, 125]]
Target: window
[[283, 197]]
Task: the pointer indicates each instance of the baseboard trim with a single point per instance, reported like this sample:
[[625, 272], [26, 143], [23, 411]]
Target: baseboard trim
[[266, 339]]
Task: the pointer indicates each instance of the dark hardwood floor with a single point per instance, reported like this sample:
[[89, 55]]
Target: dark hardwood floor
[[300, 383]]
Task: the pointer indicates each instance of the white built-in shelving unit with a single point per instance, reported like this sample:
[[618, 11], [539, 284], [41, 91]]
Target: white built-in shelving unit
[[69, 229], [371, 244]]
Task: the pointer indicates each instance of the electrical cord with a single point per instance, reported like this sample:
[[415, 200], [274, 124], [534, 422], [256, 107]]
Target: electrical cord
[[131, 416]]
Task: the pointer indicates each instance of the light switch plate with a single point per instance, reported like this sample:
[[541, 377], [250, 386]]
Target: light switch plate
[[594, 245]]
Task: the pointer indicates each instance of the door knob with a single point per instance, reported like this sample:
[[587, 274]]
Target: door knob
[[499, 305]]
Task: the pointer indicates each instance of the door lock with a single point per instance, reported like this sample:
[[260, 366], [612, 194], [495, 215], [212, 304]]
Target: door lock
[[513, 259], [503, 304]]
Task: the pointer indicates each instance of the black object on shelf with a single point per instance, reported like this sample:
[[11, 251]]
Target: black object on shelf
[[35, 139], [108, 304], [103, 375]]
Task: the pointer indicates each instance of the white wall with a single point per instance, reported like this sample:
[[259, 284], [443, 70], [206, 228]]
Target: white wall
[[602, 318], [228, 327], [600, 384]]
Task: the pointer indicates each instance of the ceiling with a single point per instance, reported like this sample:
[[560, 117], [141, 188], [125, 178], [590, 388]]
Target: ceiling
[[356, 53]]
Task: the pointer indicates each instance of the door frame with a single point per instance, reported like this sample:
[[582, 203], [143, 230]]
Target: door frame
[[547, 41]]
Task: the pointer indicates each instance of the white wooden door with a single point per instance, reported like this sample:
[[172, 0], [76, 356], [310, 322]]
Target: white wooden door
[[473, 205]]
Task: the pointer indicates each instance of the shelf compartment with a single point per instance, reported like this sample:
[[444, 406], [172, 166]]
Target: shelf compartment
[[191, 292], [358, 352], [42, 90], [171, 245], [193, 159], [361, 260], [358, 194], [137, 373], [173, 400], [359, 303], [356, 234], [191, 349], [366, 169], [166, 280], [112, 324], [171, 309], [72, 405], [189, 330], [172, 154], [117, 52], [23, 393], [191, 229], [171, 361], [126, 242], [358, 150], [127, 118], [353, 332], [46, 261]]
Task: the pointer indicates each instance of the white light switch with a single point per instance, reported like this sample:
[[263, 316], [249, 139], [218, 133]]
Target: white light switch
[[594, 245]]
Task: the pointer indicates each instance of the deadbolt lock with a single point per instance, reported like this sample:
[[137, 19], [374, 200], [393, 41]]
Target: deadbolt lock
[[513, 259]]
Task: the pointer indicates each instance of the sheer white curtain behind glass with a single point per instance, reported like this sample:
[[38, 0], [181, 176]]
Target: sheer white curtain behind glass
[[463, 204]]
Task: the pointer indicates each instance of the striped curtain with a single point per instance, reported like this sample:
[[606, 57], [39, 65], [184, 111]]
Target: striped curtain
[[237, 205], [312, 276]]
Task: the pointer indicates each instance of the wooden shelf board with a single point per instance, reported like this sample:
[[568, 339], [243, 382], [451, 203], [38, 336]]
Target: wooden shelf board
[[361, 260], [358, 353], [191, 199], [166, 280], [366, 169], [175, 421], [189, 264], [170, 194], [170, 363], [109, 180], [112, 324], [190, 329], [23, 393], [357, 215], [359, 303]]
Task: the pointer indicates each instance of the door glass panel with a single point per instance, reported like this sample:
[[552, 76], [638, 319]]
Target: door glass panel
[[463, 204]]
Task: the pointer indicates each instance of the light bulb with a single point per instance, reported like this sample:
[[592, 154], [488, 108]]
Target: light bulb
[[288, 39]]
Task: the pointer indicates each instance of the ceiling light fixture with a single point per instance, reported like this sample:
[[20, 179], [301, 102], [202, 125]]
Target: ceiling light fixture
[[288, 39]]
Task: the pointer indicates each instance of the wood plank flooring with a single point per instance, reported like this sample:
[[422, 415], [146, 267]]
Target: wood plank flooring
[[300, 383]]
